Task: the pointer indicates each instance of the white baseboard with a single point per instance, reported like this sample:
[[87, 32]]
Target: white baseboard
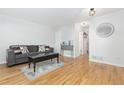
[[67, 55], [2, 62], [70, 56], [105, 62]]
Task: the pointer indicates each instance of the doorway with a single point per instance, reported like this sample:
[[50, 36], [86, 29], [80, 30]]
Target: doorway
[[85, 38], [85, 43]]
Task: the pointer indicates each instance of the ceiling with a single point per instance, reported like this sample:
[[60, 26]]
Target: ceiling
[[99, 12], [54, 16], [47, 16]]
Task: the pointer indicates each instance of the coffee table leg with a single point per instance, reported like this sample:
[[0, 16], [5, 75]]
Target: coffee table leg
[[34, 66], [51, 59]]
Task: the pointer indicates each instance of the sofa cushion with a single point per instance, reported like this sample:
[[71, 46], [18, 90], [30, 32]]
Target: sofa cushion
[[21, 60], [14, 47], [33, 48], [21, 56], [16, 50]]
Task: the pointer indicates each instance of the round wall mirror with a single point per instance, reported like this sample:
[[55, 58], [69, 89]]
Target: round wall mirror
[[105, 30]]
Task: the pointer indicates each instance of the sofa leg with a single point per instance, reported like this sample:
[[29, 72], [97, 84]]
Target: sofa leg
[[57, 59], [34, 66]]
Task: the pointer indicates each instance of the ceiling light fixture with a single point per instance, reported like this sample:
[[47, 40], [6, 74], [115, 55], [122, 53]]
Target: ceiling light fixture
[[84, 24], [91, 12]]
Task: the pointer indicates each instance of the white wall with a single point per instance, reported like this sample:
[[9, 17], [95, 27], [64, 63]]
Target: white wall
[[108, 50], [64, 33], [58, 41], [18, 31], [77, 30], [81, 43]]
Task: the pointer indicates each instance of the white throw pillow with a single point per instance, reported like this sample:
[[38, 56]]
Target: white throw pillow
[[47, 49], [41, 48], [24, 49], [17, 51]]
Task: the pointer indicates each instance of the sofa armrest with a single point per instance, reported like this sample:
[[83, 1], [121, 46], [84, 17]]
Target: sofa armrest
[[10, 58]]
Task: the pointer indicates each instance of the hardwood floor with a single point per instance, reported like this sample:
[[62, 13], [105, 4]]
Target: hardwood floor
[[75, 71]]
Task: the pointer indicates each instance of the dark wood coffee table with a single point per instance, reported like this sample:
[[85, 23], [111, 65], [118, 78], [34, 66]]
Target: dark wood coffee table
[[35, 58]]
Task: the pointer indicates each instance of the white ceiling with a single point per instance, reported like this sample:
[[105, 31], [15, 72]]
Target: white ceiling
[[48, 16], [99, 12], [54, 16]]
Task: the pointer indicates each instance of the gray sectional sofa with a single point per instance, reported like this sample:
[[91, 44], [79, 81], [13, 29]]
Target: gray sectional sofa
[[16, 56]]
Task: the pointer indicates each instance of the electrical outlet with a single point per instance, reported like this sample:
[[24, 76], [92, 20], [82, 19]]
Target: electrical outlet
[[97, 57]]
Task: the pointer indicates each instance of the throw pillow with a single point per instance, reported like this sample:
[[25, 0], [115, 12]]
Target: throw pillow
[[24, 49], [18, 51], [47, 48], [41, 48]]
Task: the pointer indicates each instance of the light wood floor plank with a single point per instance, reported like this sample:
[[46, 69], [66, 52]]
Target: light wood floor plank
[[75, 71]]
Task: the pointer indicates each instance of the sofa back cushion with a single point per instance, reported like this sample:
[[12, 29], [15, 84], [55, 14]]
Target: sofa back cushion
[[16, 49], [33, 48], [30, 48]]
